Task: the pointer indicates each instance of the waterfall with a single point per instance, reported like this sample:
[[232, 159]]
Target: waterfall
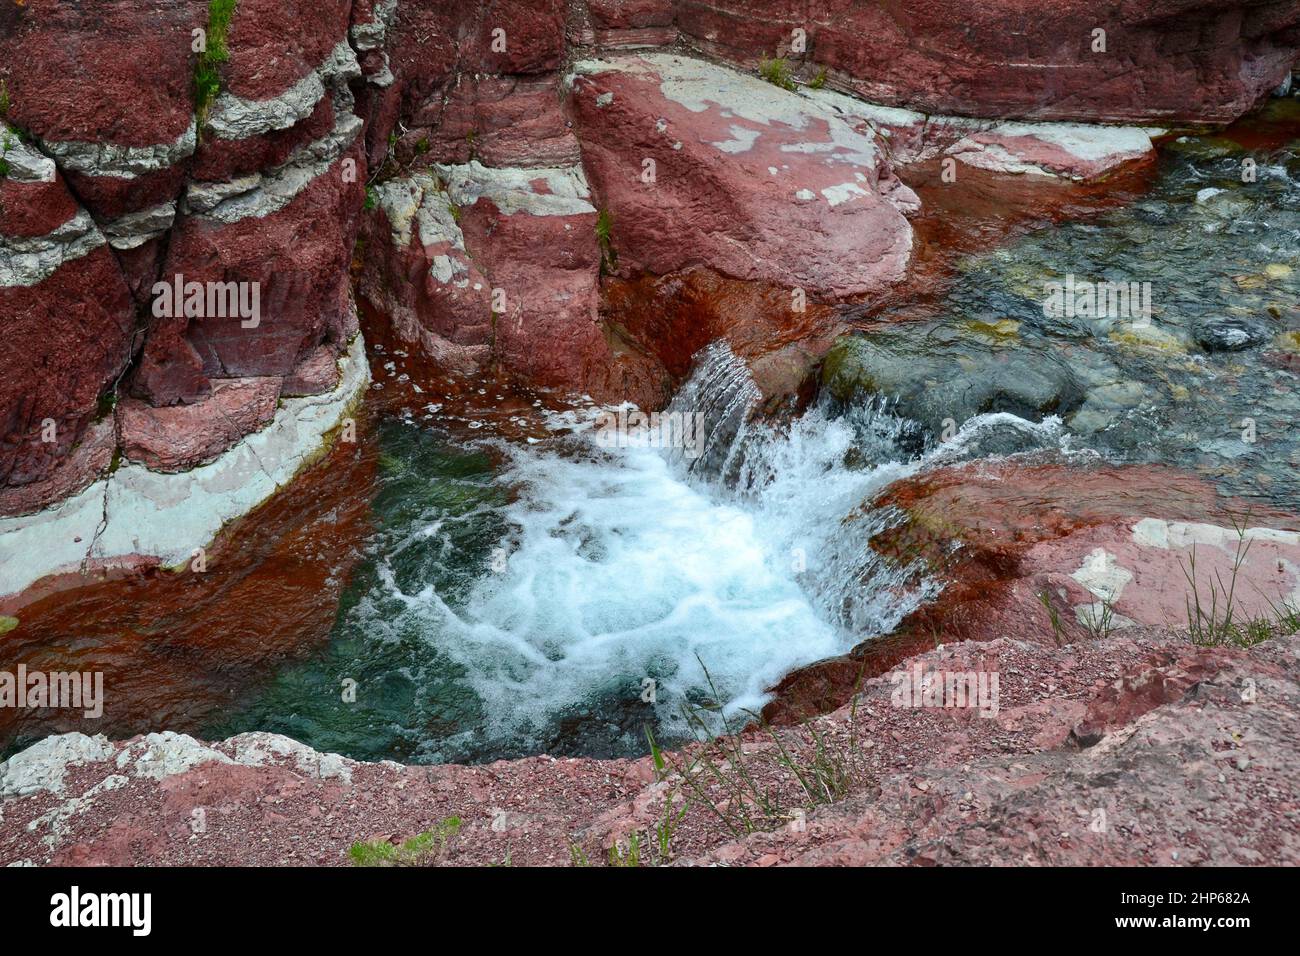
[[612, 562]]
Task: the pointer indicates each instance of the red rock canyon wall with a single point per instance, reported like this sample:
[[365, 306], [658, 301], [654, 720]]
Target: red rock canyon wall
[[487, 168]]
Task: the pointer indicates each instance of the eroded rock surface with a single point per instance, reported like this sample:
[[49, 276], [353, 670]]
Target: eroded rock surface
[[1170, 61], [1137, 749], [703, 165], [115, 178], [1059, 553]]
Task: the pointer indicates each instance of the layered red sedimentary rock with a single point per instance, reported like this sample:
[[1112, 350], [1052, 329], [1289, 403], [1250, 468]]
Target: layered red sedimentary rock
[[266, 187], [477, 263], [418, 272], [440, 55], [298, 256], [536, 237], [264, 190], [627, 24], [704, 166], [179, 436], [107, 91], [63, 347], [1162, 62], [498, 120]]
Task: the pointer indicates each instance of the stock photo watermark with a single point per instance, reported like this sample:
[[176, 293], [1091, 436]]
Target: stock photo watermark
[[56, 690], [209, 300], [1076, 298], [632, 428], [975, 690]]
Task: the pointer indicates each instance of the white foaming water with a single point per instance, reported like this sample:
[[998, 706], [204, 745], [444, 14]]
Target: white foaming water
[[637, 564]]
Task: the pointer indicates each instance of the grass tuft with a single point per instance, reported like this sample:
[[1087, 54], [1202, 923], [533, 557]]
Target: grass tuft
[[1214, 616], [1058, 632], [626, 854], [577, 856], [207, 70], [1099, 623], [777, 72], [823, 771], [420, 850]]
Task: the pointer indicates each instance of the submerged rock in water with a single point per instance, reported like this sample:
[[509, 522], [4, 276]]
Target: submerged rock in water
[[1231, 334], [944, 378]]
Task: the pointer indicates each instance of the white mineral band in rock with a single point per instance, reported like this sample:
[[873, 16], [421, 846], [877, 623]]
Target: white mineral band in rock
[[166, 516]]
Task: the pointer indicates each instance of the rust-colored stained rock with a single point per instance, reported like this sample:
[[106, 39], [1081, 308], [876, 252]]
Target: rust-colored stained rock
[[1163, 62], [704, 166], [674, 317], [179, 437]]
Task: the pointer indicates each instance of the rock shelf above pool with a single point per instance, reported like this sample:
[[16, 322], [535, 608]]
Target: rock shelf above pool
[[138, 516]]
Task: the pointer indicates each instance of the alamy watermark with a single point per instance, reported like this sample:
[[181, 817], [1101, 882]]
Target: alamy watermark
[[977, 690], [1098, 300], [209, 300], [75, 908], [39, 690], [633, 428]]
